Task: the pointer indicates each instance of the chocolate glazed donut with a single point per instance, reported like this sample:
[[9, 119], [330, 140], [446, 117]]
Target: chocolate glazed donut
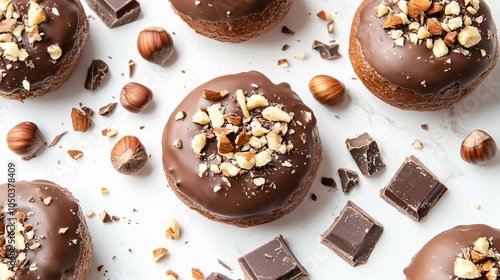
[[251, 168], [425, 74], [230, 20], [51, 240]]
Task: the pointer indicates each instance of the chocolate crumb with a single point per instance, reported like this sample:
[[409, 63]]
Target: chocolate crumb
[[329, 182], [285, 47], [131, 68], [314, 197], [424, 126], [327, 52], [98, 69], [57, 138], [287, 30], [99, 268], [105, 218], [108, 109], [88, 112], [224, 265], [142, 127]]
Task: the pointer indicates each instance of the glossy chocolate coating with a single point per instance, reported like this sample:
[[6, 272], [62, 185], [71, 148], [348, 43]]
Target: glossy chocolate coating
[[435, 261], [58, 252], [353, 235], [413, 190], [242, 201], [273, 260], [407, 67], [58, 29], [220, 10]]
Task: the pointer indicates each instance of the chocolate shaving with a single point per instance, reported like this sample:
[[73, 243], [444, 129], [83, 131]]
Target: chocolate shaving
[[327, 52], [107, 110]]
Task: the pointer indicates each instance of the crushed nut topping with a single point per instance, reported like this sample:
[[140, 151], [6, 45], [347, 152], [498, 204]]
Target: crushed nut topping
[[478, 261], [442, 26]]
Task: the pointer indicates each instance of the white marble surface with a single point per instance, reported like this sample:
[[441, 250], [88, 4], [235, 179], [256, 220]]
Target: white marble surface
[[197, 60]]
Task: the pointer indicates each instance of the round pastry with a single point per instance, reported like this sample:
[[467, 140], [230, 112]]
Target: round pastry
[[423, 54], [49, 231], [463, 252], [41, 43], [241, 150], [232, 21]]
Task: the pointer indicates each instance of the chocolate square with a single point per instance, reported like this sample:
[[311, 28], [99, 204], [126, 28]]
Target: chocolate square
[[413, 190], [348, 179], [115, 13], [273, 260], [353, 234], [365, 152]]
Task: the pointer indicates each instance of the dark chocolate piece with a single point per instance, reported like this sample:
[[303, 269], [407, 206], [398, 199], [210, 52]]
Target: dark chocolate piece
[[348, 179], [287, 30], [329, 182], [98, 69], [107, 110], [273, 260], [217, 276], [115, 13], [353, 234], [327, 52], [364, 150], [413, 190]]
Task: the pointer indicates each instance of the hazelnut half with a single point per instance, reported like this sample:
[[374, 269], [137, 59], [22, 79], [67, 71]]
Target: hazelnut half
[[155, 44], [327, 90], [25, 139], [478, 147], [135, 97], [129, 156]]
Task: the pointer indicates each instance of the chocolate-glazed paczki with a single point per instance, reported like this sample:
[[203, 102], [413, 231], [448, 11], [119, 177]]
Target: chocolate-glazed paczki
[[229, 20], [41, 43], [241, 150], [51, 238], [463, 252], [423, 54]]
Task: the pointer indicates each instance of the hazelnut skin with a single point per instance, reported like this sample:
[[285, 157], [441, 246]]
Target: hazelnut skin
[[478, 147], [25, 139], [135, 97], [129, 155]]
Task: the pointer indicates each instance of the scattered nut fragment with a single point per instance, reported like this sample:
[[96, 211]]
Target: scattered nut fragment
[[327, 90], [90, 213], [180, 115], [172, 275], [131, 68], [36, 14], [80, 120], [105, 217], [155, 44], [63, 230], [109, 132], [198, 143], [478, 147], [482, 245], [104, 191], [159, 253], [469, 36], [283, 62], [417, 144], [75, 154], [47, 200], [54, 51], [214, 95], [135, 97], [173, 229], [273, 113], [465, 269], [323, 15], [197, 274], [25, 139], [57, 138], [129, 155]]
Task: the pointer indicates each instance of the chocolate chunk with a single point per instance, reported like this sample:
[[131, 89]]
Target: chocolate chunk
[[424, 126], [115, 13], [98, 69], [413, 190], [348, 179], [353, 234], [364, 150], [327, 52], [329, 182], [107, 110], [273, 260], [217, 276], [287, 30]]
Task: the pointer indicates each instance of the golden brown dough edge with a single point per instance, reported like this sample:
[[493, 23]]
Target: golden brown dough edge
[[245, 28], [67, 65], [400, 97], [294, 201]]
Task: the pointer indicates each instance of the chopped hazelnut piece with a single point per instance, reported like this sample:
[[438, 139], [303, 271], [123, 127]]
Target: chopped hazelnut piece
[[159, 253], [197, 274], [172, 228], [47, 200]]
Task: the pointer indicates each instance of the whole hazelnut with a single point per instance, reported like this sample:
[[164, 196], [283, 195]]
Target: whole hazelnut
[[135, 97], [327, 90], [155, 44], [129, 156], [478, 147], [25, 139]]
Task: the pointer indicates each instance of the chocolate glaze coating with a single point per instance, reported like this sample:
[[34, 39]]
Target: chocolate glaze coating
[[221, 10], [69, 30], [436, 259], [60, 255], [242, 204], [397, 63]]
